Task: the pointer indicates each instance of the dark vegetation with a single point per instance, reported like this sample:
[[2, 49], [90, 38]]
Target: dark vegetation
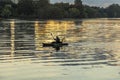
[[43, 9]]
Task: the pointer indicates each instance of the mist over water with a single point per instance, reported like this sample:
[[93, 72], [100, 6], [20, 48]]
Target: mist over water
[[92, 53]]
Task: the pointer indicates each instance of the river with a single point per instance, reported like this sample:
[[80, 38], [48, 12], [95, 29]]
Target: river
[[93, 52]]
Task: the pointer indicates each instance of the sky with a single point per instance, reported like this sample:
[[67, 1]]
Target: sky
[[100, 3]]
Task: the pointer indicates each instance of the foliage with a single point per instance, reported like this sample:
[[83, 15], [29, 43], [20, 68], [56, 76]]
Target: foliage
[[25, 7], [74, 13], [113, 10], [42, 9], [55, 12], [6, 12]]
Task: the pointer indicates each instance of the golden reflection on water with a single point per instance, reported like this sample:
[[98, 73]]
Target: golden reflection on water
[[95, 35], [36, 34], [12, 27], [106, 32], [57, 28]]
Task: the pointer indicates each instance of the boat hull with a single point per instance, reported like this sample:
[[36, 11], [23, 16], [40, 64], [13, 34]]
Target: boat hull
[[54, 44]]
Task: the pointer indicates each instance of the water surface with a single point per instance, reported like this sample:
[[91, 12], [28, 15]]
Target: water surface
[[93, 52]]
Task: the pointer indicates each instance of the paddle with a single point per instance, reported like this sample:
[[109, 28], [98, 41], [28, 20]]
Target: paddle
[[63, 39], [52, 36]]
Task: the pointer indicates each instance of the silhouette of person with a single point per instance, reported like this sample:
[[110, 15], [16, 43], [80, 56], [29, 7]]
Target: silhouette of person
[[57, 40]]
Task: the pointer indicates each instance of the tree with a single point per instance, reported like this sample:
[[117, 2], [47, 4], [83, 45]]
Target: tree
[[74, 13], [54, 12], [91, 12], [14, 10], [42, 3], [6, 11], [113, 10], [3, 3], [25, 7], [41, 7], [78, 4], [64, 7]]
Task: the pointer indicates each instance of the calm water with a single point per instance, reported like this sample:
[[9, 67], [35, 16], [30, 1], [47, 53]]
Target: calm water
[[93, 52]]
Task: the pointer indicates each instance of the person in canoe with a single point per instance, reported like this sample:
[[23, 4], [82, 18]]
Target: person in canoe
[[57, 43]]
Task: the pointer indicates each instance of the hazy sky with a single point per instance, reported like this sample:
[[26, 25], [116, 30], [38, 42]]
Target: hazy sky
[[102, 3]]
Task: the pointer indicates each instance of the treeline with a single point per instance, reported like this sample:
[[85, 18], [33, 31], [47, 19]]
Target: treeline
[[43, 9]]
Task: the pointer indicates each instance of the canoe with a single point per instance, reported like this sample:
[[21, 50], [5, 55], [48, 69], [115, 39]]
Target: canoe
[[54, 44]]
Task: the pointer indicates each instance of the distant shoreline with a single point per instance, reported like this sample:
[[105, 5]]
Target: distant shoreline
[[66, 19]]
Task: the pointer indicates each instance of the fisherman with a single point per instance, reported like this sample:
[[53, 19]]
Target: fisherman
[[57, 39]]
